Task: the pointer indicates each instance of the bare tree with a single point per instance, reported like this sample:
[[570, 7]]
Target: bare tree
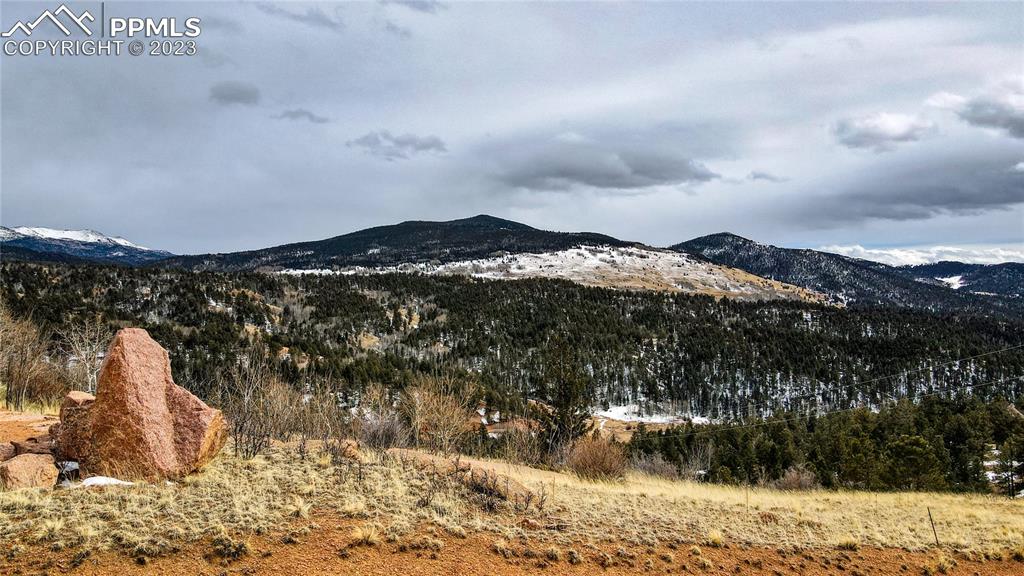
[[696, 463], [25, 370], [84, 345], [258, 405]]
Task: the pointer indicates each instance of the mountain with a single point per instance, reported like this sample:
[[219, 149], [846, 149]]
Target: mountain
[[1006, 279], [413, 241], [51, 245], [844, 279]]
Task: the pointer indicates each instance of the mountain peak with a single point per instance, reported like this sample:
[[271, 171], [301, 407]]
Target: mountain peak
[[86, 235], [50, 244]]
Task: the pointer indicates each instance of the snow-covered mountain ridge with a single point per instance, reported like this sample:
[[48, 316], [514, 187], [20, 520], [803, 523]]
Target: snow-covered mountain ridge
[[50, 244]]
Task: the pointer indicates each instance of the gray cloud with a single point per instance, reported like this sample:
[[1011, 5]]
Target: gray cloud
[[386, 145], [881, 131], [922, 187], [427, 6], [302, 114], [1000, 106], [569, 160], [766, 176], [312, 16], [992, 113], [235, 92]]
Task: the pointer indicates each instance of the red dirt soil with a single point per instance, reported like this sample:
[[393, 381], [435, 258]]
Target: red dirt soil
[[330, 549], [18, 426]]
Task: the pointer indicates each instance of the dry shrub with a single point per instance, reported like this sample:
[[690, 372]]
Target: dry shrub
[[25, 370], [377, 423], [520, 446], [438, 410], [655, 465], [258, 405], [797, 477], [597, 459]]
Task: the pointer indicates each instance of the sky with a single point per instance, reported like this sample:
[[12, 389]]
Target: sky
[[888, 131]]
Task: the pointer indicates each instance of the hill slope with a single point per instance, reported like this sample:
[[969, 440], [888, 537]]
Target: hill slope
[[1006, 279], [845, 279], [414, 241]]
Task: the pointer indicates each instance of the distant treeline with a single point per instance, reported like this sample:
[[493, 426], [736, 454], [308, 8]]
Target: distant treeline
[[961, 444]]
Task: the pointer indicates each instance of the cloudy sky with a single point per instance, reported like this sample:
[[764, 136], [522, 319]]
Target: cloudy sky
[[887, 131]]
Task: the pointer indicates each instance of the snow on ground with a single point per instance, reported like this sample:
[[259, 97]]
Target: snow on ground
[[634, 268], [633, 413], [104, 481], [954, 282]]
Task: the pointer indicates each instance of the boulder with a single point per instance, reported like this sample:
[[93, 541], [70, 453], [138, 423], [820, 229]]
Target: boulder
[[141, 425], [6, 451], [28, 471], [74, 433]]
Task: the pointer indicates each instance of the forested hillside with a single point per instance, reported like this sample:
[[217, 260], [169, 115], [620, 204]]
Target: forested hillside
[[668, 352], [862, 283]]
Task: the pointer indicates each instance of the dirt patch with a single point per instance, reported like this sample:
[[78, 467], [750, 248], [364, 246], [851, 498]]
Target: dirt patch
[[334, 547], [20, 426]]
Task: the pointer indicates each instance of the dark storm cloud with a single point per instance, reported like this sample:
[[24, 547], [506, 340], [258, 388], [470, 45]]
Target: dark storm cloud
[[235, 92], [881, 131], [570, 161], [311, 16], [766, 176], [427, 6], [922, 187], [302, 114], [384, 144], [992, 113]]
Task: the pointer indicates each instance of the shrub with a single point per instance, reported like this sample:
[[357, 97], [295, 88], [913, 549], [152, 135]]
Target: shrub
[[797, 477], [597, 459], [655, 465], [438, 412], [376, 423]]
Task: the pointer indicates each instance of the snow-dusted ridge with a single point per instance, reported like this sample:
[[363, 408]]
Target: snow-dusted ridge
[[630, 267], [88, 236]]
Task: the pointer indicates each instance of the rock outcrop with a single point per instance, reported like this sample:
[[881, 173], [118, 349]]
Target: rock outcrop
[[28, 471], [141, 425]]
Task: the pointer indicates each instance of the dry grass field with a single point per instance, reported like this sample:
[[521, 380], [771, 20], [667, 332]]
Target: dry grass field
[[388, 500]]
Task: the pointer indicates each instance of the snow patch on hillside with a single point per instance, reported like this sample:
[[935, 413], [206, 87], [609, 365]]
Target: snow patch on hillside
[[954, 282], [632, 268], [634, 413]]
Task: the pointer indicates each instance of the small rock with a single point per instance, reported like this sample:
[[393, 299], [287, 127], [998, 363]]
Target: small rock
[[6, 451], [28, 471]]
